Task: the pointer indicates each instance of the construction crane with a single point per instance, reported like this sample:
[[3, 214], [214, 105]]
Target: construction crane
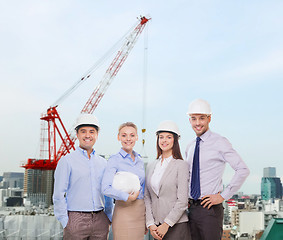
[[55, 126]]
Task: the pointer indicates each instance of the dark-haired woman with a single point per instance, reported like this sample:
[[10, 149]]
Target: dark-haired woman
[[166, 190]]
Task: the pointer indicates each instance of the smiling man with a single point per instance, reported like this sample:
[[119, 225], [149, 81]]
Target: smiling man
[[79, 205], [207, 156]]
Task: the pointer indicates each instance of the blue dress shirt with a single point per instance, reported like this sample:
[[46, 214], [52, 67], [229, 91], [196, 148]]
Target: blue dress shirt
[[77, 185], [119, 162]]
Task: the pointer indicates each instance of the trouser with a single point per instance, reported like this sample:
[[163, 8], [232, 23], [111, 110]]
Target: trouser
[[179, 231], [86, 226], [206, 224]]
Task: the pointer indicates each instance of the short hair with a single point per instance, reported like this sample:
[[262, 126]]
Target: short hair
[[127, 124]]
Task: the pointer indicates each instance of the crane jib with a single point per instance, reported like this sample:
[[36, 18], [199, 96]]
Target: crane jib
[[54, 122]]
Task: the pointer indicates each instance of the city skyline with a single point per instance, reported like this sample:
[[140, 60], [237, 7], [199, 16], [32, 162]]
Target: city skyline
[[229, 53]]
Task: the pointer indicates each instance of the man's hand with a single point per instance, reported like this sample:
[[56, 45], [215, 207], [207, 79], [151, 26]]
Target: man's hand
[[210, 200], [162, 229], [153, 232], [133, 196]]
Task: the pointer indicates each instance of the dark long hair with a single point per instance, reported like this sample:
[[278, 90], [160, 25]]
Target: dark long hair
[[176, 152]]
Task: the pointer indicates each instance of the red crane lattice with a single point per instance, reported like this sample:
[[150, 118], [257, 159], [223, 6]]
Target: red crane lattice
[[55, 125]]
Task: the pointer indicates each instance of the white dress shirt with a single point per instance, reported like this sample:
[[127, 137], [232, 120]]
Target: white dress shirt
[[215, 152], [159, 170]]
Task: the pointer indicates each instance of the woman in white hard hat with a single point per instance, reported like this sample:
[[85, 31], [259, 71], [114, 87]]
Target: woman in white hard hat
[[129, 212], [166, 190]]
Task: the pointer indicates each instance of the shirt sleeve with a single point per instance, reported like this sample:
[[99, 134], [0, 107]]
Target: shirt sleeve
[[187, 151], [108, 207], [240, 168], [61, 183], [107, 189]]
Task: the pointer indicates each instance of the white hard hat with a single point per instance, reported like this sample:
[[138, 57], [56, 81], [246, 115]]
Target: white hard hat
[[168, 126], [199, 106], [126, 182], [87, 119]]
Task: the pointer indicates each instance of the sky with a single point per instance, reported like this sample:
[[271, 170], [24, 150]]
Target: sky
[[229, 53]]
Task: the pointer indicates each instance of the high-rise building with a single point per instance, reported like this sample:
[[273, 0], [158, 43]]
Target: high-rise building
[[13, 180], [38, 186], [269, 172], [271, 186]]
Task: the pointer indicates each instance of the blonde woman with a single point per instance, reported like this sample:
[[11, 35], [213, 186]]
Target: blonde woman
[[166, 190], [129, 212]]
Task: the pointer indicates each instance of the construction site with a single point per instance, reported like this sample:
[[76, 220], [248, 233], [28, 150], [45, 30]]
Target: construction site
[[56, 141], [146, 69], [38, 221]]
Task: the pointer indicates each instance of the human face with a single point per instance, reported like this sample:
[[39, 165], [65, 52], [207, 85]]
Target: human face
[[87, 137], [200, 123], [128, 137], [165, 142]]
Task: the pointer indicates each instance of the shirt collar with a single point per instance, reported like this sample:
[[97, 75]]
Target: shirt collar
[[124, 154], [166, 159], [206, 135], [84, 152]]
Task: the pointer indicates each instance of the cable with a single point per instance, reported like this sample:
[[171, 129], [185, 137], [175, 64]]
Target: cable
[[98, 64], [144, 90]]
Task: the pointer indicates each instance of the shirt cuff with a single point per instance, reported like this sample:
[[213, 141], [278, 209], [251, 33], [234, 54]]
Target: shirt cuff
[[124, 196], [64, 221], [170, 223], [149, 224], [109, 215], [226, 194]]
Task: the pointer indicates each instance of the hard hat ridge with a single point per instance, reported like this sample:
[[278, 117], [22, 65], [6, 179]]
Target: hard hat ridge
[[199, 106], [87, 119], [168, 126]]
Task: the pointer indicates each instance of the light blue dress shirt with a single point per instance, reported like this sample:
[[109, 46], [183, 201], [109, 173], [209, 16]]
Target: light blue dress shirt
[[77, 185], [119, 162], [215, 152]]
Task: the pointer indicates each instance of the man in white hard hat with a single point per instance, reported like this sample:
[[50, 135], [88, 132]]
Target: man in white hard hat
[[79, 205], [207, 156]]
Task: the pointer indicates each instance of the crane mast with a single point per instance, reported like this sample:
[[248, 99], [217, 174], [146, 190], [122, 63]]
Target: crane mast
[[52, 116]]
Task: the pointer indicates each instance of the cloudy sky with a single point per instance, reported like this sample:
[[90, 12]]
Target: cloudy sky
[[227, 52]]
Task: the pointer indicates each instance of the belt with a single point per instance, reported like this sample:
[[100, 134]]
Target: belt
[[194, 202], [90, 212]]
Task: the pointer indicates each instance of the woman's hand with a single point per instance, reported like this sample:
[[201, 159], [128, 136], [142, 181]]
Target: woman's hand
[[133, 196], [162, 229], [153, 232], [145, 230]]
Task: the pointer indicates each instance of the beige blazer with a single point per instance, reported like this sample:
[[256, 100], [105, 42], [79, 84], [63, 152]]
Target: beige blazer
[[172, 201]]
